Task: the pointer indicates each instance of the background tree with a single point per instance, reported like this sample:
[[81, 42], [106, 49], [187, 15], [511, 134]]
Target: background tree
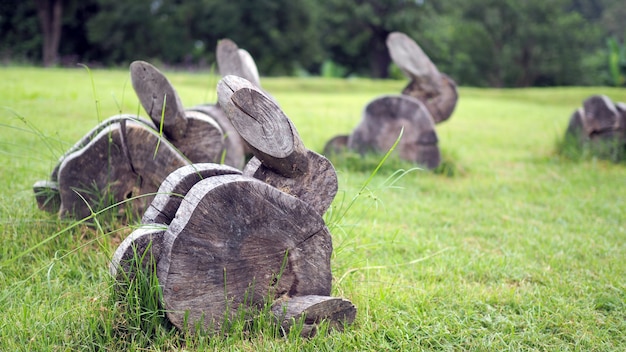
[[354, 32], [50, 14], [481, 43]]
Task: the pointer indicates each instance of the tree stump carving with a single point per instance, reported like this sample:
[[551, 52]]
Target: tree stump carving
[[385, 117], [428, 99], [231, 60], [600, 124], [196, 134], [436, 90], [121, 158], [225, 241]]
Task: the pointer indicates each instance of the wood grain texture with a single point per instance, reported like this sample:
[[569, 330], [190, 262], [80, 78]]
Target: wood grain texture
[[176, 185], [47, 196], [236, 240], [338, 312], [270, 134], [235, 148], [90, 135], [237, 62], [154, 91], [317, 187], [142, 249], [116, 165], [383, 120], [203, 141], [436, 90]]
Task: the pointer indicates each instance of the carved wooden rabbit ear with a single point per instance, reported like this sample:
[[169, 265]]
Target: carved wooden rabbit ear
[[155, 92], [412, 60], [436, 90], [237, 62], [281, 159]]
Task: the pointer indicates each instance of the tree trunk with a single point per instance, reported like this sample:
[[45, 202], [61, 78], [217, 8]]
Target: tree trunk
[[50, 19]]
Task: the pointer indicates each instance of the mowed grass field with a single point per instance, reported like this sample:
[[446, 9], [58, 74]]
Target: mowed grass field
[[516, 249]]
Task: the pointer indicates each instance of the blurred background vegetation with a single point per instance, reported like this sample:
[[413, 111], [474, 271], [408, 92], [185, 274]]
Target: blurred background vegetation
[[495, 43]]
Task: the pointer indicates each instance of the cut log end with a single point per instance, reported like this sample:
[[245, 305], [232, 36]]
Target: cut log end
[[47, 196], [311, 311], [159, 99], [141, 250]]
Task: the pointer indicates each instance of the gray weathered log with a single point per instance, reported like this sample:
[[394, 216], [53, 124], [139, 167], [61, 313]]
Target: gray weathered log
[[203, 141], [436, 90], [441, 105], [413, 62], [599, 116], [263, 125], [176, 185], [599, 125], [317, 187], [235, 148], [145, 243], [47, 196], [154, 91], [236, 240], [122, 161], [383, 120], [238, 62], [336, 145], [338, 312], [95, 131]]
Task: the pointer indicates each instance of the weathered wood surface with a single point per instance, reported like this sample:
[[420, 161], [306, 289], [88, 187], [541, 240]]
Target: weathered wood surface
[[235, 148], [122, 161], [176, 185], [47, 192], [383, 120], [433, 88], [122, 118], [155, 92], [262, 124], [234, 241], [203, 141], [336, 145], [47, 195], [598, 119], [195, 132], [313, 310], [600, 125], [317, 187], [146, 243], [231, 60]]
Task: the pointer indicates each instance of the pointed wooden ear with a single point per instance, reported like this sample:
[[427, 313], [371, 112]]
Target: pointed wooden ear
[[237, 62], [412, 60], [155, 92], [436, 90]]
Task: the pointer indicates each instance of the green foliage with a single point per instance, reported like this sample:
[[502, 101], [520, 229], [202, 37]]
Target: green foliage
[[332, 70], [501, 43], [617, 62]]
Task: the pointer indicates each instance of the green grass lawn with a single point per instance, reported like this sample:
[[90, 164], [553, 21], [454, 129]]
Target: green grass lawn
[[518, 249]]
